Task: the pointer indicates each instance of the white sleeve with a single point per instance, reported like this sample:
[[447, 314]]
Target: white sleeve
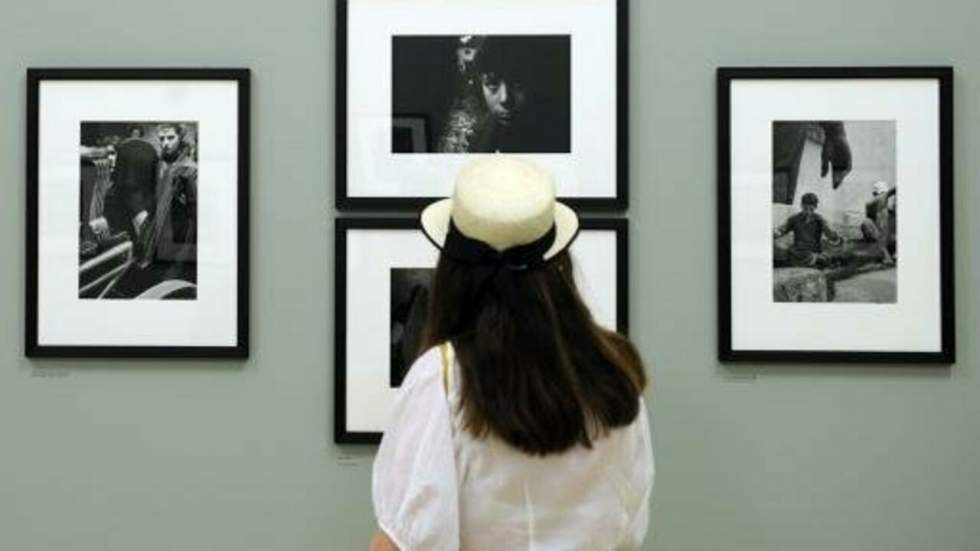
[[414, 485], [643, 482]]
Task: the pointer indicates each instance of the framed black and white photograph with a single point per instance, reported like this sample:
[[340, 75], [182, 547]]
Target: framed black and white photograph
[[137, 212], [423, 87], [835, 212], [383, 276]]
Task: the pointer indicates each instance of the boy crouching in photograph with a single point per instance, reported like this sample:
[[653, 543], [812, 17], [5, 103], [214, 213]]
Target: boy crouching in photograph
[[809, 229]]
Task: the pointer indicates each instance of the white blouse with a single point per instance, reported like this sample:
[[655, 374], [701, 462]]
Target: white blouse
[[436, 488]]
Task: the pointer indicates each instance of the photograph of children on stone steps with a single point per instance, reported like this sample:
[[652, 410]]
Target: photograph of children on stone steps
[[834, 211]]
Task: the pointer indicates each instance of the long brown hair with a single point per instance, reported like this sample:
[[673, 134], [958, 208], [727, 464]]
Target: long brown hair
[[536, 370]]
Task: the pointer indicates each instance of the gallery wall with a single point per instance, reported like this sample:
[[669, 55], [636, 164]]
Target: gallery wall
[[163, 455]]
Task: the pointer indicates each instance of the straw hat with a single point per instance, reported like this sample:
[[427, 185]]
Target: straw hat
[[503, 210]]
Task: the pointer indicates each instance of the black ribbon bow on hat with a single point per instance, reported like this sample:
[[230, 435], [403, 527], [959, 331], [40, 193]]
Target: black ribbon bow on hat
[[519, 258]]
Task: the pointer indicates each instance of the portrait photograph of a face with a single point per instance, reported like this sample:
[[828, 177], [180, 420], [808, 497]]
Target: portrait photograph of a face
[[821, 256], [383, 283], [137, 213], [485, 94], [425, 86]]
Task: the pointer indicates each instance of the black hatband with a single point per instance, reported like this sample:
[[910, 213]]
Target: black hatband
[[518, 258]]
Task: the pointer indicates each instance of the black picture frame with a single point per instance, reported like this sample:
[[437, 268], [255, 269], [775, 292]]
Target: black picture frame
[[943, 75], [346, 202], [342, 435], [35, 77]]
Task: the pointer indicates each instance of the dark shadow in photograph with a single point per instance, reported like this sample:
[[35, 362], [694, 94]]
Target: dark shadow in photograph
[[409, 310], [834, 195], [483, 93], [410, 134], [138, 211]]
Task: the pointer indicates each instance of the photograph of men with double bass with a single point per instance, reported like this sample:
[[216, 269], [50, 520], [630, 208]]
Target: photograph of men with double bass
[[138, 215]]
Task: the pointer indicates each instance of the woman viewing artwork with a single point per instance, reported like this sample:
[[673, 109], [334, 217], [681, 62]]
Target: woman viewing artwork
[[522, 423]]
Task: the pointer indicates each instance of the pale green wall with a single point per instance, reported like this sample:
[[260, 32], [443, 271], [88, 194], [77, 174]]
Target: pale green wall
[[106, 456]]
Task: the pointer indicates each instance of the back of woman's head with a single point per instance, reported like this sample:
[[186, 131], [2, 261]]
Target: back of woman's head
[[536, 370]]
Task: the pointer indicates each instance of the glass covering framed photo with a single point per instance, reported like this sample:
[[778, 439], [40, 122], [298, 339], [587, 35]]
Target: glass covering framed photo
[[835, 214], [424, 86], [383, 273], [137, 213]]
